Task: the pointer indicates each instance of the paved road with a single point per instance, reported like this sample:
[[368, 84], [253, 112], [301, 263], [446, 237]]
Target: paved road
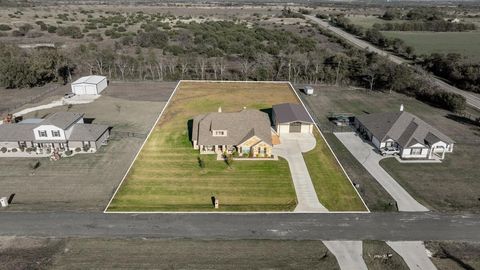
[[349, 254], [369, 158], [472, 99], [414, 254], [400, 226], [291, 148]]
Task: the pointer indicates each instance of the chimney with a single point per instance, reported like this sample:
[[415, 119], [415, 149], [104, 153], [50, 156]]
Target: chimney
[[219, 109], [401, 107]]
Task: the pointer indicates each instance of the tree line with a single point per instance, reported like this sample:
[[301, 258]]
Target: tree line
[[255, 54], [435, 26]]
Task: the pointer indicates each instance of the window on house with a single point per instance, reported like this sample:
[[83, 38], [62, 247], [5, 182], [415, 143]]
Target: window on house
[[55, 133], [416, 151], [42, 133], [219, 133]]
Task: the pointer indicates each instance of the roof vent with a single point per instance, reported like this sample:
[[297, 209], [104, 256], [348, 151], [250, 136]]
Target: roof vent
[[219, 109], [401, 107]]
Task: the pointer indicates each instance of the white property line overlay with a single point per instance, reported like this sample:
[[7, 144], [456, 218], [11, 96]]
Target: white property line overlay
[[331, 150], [219, 212], [143, 144]]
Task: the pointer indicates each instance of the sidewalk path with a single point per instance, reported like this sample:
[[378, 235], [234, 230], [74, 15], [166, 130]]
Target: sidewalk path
[[369, 158], [349, 254], [291, 148], [414, 254]]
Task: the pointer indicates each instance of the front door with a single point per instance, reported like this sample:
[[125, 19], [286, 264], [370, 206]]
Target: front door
[[295, 127]]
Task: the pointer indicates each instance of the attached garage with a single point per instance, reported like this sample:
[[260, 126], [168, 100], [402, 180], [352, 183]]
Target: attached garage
[[291, 118], [89, 85]]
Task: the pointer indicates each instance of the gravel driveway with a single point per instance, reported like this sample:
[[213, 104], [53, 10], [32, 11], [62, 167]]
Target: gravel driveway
[[366, 154]]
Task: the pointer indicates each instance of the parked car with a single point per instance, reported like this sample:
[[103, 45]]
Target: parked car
[[68, 95], [389, 151]]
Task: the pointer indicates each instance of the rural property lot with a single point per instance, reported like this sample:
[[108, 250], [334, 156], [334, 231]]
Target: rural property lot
[[448, 186], [166, 176], [86, 181]]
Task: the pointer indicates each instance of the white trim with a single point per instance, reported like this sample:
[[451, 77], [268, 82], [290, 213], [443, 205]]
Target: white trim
[[215, 212], [140, 150]]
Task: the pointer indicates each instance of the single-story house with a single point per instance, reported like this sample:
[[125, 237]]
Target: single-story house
[[248, 132], [60, 131], [89, 85], [291, 118], [407, 133]]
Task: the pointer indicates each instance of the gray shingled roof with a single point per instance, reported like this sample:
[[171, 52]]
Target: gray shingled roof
[[62, 120], [403, 127], [240, 126], [87, 132], [289, 112], [17, 132]]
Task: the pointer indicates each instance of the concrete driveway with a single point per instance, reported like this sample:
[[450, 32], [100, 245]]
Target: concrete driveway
[[414, 254], [366, 154], [291, 147], [349, 254]]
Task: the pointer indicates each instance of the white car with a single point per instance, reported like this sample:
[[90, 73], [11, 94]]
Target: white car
[[389, 151]]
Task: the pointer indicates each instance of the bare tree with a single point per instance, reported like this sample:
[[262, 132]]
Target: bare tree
[[246, 67]]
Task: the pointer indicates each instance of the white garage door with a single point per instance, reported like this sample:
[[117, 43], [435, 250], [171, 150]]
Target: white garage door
[[79, 90], [91, 90]]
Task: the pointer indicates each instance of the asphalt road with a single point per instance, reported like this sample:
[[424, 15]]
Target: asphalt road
[[472, 98], [325, 226]]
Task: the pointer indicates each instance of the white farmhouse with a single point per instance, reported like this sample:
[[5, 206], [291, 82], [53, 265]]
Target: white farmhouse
[[89, 85], [410, 135]]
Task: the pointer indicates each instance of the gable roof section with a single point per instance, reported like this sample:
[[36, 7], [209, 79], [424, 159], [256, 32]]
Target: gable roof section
[[403, 127], [62, 120], [240, 126], [87, 132], [17, 132], [289, 112], [93, 79]]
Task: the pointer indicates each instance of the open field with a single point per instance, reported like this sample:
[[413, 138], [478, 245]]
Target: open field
[[368, 21], [103, 253], [166, 175], [450, 186], [84, 182], [465, 43]]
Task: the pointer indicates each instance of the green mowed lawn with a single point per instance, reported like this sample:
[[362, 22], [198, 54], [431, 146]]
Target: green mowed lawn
[[167, 176], [332, 186], [466, 43]]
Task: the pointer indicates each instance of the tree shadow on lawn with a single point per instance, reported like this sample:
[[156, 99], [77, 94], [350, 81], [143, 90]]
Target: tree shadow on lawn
[[462, 120]]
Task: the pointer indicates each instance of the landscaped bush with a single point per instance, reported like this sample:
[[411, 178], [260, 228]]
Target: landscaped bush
[[78, 149], [86, 148], [4, 149], [14, 150], [68, 152], [4, 27]]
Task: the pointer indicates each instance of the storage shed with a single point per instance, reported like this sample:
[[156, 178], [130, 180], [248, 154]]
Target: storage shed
[[89, 85], [291, 118]]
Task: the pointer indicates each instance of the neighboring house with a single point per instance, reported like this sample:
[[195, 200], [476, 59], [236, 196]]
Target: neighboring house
[[413, 137], [89, 85], [248, 132], [291, 118], [60, 131]]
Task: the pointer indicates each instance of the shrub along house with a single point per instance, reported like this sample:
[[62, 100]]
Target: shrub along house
[[248, 132], [412, 136], [60, 131]]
